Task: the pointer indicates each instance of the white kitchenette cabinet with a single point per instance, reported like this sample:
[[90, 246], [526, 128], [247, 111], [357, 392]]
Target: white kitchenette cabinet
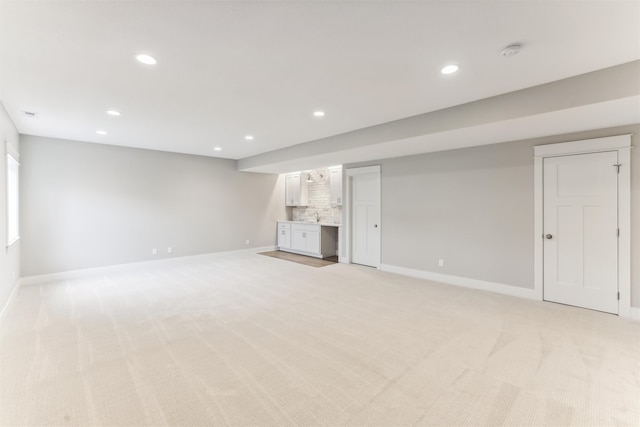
[[305, 238], [296, 189], [335, 186], [284, 235], [316, 240]]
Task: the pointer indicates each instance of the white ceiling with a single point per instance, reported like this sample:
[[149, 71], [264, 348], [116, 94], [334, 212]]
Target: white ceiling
[[228, 69]]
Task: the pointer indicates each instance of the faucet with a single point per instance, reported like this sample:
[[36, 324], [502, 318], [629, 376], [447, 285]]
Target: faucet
[[315, 213]]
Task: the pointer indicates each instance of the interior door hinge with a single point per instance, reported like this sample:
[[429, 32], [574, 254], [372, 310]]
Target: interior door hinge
[[618, 232], [618, 296], [618, 166]]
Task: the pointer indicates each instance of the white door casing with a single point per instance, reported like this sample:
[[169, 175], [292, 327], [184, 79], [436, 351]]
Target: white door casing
[[363, 216], [580, 226], [621, 145], [365, 229]]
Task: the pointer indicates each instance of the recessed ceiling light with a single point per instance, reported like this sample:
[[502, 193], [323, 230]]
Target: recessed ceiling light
[[146, 59], [217, 148], [249, 137], [113, 112], [101, 132], [318, 113], [450, 69]]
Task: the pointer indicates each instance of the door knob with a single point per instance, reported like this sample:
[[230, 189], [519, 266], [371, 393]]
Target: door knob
[[375, 225], [548, 236]]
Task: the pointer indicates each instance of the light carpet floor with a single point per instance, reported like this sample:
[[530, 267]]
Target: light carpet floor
[[249, 340]]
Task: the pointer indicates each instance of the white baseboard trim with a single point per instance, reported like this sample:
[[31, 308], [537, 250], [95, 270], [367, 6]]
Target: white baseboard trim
[[12, 296], [634, 314], [499, 288], [74, 274]]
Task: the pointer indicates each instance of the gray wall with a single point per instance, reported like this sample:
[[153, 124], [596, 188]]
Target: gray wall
[[473, 207], [89, 205], [9, 257]]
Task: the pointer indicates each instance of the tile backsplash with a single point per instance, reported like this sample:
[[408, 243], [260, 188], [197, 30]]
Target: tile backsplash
[[318, 200]]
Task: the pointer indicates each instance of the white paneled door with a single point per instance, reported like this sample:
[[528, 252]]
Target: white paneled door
[[365, 219], [581, 230]]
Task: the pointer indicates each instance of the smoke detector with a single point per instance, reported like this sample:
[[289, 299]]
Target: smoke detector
[[512, 49]]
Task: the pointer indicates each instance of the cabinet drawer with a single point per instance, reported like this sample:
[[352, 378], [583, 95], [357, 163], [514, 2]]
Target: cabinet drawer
[[284, 225], [305, 227]]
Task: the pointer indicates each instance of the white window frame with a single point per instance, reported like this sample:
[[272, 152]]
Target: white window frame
[[12, 196]]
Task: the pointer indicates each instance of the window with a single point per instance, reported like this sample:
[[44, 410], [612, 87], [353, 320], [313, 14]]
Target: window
[[13, 226]]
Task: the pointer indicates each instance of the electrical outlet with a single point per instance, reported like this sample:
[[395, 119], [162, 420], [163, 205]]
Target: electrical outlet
[[170, 250], [154, 251], [247, 241], [440, 263]]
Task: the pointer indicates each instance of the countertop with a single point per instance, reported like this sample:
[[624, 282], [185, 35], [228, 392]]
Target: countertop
[[324, 224]]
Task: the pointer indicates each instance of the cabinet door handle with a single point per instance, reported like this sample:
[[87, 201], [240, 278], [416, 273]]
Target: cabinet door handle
[[304, 234], [283, 232]]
